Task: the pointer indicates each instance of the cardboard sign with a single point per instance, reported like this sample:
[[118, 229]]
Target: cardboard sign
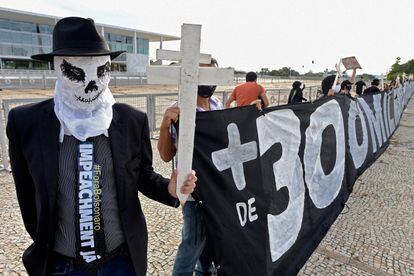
[[351, 63]]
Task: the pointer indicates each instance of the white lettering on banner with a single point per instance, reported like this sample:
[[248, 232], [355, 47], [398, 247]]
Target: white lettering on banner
[[252, 215], [391, 122], [379, 118], [385, 114], [358, 152], [242, 214], [234, 156], [397, 105], [284, 228], [323, 189], [245, 211], [374, 127]]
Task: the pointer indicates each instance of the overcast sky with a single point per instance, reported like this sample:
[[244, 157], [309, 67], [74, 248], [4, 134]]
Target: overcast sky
[[249, 35]]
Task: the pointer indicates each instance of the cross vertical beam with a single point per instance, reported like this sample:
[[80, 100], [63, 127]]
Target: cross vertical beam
[[187, 101], [338, 72]]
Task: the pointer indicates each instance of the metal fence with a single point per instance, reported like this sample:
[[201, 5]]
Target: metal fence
[[45, 79], [48, 81], [153, 104]]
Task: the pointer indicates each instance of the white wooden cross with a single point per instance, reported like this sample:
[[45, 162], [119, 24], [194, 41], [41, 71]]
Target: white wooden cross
[[188, 76], [397, 81], [338, 72], [382, 82]]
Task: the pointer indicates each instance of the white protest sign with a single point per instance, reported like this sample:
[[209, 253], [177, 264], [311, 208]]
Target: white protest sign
[[188, 76]]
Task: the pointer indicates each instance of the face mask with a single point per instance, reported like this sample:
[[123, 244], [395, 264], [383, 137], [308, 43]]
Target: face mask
[[83, 79], [206, 91], [337, 88], [83, 101]]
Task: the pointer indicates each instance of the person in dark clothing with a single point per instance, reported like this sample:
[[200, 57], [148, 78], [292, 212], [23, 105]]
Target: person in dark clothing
[[78, 162], [296, 94], [360, 85], [346, 87], [326, 85], [373, 88]]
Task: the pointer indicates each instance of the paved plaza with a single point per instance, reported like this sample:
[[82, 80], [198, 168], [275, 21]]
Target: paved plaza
[[373, 236]]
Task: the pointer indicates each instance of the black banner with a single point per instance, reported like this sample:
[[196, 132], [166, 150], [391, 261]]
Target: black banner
[[271, 184]]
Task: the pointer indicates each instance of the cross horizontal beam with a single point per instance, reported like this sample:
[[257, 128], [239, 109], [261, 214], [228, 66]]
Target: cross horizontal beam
[[170, 75], [176, 56]]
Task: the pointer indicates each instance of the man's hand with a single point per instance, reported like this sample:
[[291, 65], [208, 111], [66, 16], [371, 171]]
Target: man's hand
[[187, 188], [170, 115]]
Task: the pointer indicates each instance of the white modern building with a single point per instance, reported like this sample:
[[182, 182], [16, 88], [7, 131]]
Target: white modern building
[[23, 34]]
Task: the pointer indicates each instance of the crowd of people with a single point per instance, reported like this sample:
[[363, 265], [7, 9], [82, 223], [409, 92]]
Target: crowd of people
[[79, 160], [347, 86]]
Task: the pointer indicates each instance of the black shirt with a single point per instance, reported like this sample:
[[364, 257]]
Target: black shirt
[[359, 86], [371, 89]]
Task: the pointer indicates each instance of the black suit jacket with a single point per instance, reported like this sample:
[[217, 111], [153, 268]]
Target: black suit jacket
[[33, 132]]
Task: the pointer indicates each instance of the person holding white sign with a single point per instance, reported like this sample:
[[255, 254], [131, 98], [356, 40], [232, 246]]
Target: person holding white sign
[[193, 239]]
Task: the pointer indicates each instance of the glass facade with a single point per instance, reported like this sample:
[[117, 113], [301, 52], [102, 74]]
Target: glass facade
[[25, 64], [120, 42], [142, 46], [125, 43], [25, 26], [24, 39]]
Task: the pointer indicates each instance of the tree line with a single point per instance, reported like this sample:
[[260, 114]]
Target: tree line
[[399, 68]]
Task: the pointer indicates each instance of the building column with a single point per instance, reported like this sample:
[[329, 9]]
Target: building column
[[161, 39], [1, 64], [103, 31], [135, 43]]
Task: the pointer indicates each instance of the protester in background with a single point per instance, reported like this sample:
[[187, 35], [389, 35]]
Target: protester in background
[[326, 85], [193, 239], [373, 88], [248, 93], [346, 87], [360, 85], [328, 82], [296, 94], [393, 85], [386, 88]]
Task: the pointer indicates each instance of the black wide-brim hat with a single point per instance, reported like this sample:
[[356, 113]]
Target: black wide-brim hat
[[76, 36]]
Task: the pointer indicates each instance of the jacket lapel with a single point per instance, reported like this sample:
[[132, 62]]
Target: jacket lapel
[[49, 145], [118, 139]]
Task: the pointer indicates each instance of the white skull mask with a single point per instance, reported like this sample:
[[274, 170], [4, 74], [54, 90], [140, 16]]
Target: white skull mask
[[83, 101], [83, 79]]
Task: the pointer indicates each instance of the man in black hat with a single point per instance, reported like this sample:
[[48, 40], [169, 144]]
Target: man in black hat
[[78, 162], [373, 88]]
